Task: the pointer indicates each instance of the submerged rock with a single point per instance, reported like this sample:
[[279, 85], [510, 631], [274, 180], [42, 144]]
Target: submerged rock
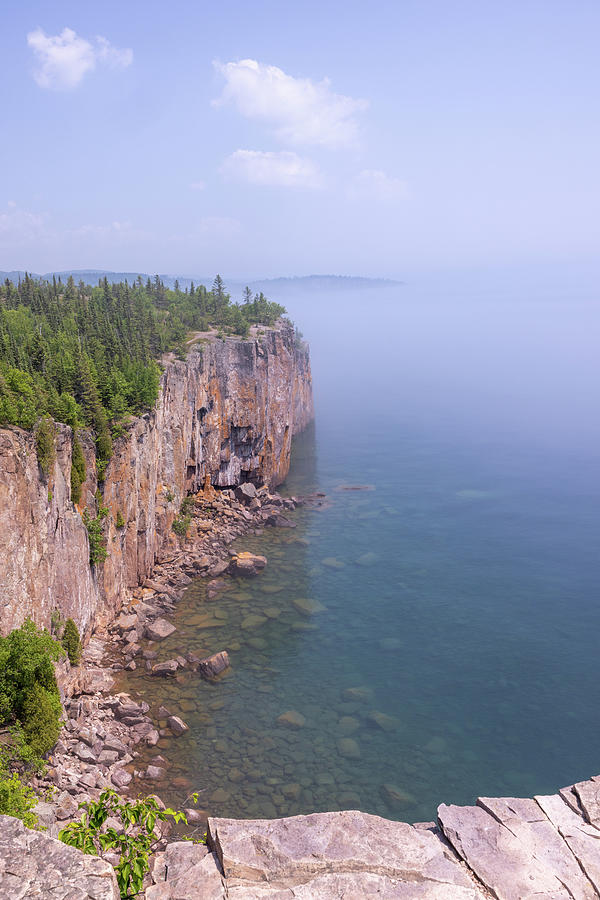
[[177, 725], [165, 669], [383, 721], [213, 665], [396, 797], [348, 748], [292, 719], [307, 606]]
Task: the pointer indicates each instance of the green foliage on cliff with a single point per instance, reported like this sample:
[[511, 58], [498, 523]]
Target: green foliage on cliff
[[45, 444], [87, 356], [77, 469], [95, 530], [28, 690], [71, 642]]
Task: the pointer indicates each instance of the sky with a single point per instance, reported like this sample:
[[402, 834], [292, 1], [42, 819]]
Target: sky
[[279, 138]]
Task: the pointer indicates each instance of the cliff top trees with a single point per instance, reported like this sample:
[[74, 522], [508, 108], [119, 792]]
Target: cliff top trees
[[87, 356]]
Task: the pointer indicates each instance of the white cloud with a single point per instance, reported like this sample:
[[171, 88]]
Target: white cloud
[[376, 185], [18, 226], [101, 230], [282, 169], [64, 59], [197, 185], [299, 110]]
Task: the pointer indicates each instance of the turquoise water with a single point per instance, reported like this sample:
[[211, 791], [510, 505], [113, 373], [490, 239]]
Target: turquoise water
[[459, 594]]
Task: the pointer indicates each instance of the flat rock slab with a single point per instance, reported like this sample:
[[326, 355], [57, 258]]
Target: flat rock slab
[[35, 865], [542, 841], [191, 872], [514, 849], [582, 839], [588, 794], [346, 854]]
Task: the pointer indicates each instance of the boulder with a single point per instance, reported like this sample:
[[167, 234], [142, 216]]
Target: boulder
[[177, 725], [165, 669], [120, 778], [246, 563], [246, 492], [126, 623], [159, 630], [213, 665], [276, 520], [108, 757]]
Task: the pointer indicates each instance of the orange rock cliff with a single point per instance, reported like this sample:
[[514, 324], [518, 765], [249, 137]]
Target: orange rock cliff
[[229, 412]]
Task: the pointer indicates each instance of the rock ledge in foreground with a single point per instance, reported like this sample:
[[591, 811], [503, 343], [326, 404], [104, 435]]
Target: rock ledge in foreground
[[35, 865]]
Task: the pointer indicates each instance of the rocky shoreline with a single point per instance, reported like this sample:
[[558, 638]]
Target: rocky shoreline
[[103, 732]]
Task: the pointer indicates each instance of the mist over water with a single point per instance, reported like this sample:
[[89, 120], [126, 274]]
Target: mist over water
[[459, 593]]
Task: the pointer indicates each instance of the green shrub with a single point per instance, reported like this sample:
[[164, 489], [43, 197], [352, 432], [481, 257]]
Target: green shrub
[[169, 497], [17, 799], [45, 446], [134, 844], [72, 642], [77, 470], [28, 690], [56, 623], [187, 506], [181, 525], [41, 719], [98, 551], [120, 522]]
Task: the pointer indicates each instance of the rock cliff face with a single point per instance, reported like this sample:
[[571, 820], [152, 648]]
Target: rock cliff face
[[229, 412]]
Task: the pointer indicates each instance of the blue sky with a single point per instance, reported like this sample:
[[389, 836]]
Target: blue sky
[[274, 138]]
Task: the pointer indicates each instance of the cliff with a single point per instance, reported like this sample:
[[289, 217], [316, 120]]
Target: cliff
[[228, 412]]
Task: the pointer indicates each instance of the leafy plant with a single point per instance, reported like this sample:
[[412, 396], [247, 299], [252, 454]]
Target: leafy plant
[[120, 521], [16, 798], [134, 844], [182, 522], [45, 446], [71, 641], [169, 497]]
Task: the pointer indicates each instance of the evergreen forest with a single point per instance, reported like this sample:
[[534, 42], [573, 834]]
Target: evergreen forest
[[89, 356]]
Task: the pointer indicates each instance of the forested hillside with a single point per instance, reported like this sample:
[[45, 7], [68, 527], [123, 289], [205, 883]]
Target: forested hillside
[[88, 356]]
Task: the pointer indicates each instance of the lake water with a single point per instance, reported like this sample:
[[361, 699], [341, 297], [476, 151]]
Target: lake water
[[454, 650]]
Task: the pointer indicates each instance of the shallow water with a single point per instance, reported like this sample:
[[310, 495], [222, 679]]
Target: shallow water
[[458, 595]]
